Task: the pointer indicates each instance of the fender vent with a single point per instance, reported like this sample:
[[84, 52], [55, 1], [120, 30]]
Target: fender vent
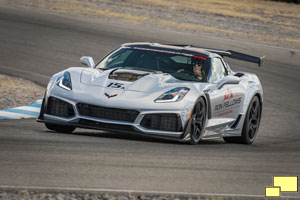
[[239, 74], [236, 122]]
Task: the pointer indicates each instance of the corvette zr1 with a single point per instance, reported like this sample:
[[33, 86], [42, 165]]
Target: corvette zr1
[[151, 89]]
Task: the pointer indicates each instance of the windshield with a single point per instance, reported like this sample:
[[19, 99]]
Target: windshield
[[177, 64]]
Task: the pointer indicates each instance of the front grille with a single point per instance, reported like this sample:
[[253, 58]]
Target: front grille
[[105, 126], [107, 113], [163, 122], [59, 108]]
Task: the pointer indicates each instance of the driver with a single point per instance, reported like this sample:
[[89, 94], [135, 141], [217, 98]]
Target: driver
[[197, 69]]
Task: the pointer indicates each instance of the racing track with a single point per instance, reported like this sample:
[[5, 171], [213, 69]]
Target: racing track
[[35, 45]]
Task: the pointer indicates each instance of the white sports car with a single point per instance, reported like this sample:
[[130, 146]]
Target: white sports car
[[153, 89]]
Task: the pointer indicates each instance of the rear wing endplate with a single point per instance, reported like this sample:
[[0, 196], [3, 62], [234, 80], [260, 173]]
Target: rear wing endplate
[[230, 54]]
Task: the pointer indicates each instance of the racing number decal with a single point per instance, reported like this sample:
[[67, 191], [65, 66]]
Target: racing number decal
[[116, 85]]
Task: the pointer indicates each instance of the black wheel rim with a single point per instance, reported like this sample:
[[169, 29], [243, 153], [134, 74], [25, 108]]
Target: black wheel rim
[[198, 122], [254, 119]]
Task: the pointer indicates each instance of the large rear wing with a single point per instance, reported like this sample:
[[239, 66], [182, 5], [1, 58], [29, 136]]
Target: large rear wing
[[229, 53]]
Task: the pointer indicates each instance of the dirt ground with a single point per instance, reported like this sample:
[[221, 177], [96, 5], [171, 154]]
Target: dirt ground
[[258, 21], [18, 92]]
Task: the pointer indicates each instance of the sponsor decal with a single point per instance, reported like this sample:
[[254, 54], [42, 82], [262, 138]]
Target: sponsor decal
[[162, 51], [228, 94], [228, 104], [251, 84], [224, 113], [109, 96], [116, 85], [200, 57]]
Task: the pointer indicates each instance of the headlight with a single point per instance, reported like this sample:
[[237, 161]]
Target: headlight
[[64, 81], [173, 95]]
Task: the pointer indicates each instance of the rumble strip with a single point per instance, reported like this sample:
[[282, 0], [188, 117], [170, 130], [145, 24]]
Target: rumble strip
[[28, 111]]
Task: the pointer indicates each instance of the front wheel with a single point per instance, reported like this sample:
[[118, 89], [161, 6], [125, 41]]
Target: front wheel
[[198, 122], [60, 128], [251, 124]]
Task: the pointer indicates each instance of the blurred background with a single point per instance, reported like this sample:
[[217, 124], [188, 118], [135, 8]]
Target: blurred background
[[274, 23]]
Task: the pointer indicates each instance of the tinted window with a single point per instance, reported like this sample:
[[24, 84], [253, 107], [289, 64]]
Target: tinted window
[[177, 64], [181, 59], [115, 59]]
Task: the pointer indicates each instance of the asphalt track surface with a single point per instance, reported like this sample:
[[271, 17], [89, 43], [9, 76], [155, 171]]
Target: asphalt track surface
[[35, 45]]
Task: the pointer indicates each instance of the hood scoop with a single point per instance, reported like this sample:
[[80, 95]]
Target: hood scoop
[[129, 75]]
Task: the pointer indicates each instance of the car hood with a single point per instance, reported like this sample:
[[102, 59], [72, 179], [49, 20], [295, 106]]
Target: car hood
[[131, 80]]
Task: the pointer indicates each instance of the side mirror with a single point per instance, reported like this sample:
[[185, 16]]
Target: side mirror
[[89, 61], [228, 80]]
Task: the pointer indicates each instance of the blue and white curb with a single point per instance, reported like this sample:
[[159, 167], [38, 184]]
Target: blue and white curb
[[29, 111]]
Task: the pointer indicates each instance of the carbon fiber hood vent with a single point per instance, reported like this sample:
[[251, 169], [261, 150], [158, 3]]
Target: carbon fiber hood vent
[[127, 75]]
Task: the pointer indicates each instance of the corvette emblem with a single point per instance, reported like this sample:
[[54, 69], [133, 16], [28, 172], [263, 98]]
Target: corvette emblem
[[109, 96]]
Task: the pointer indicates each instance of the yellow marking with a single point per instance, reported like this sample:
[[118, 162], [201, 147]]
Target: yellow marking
[[287, 184], [291, 40], [217, 7], [258, 10], [193, 26], [190, 114], [272, 192]]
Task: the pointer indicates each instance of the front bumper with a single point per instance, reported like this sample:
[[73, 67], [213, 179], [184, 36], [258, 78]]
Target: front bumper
[[163, 123]]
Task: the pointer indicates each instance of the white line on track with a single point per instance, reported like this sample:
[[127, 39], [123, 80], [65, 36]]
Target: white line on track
[[33, 109], [138, 191], [39, 101]]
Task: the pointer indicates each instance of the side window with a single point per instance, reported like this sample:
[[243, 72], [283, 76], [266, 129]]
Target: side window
[[218, 71]]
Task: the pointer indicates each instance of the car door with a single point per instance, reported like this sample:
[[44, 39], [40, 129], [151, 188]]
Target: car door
[[227, 101]]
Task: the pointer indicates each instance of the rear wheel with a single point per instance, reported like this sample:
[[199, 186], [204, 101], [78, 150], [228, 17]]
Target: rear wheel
[[251, 124], [198, 122], [60, 128]]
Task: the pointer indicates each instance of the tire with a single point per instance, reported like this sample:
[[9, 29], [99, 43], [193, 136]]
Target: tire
[[251, 124], [199, 117], [60, 128]]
